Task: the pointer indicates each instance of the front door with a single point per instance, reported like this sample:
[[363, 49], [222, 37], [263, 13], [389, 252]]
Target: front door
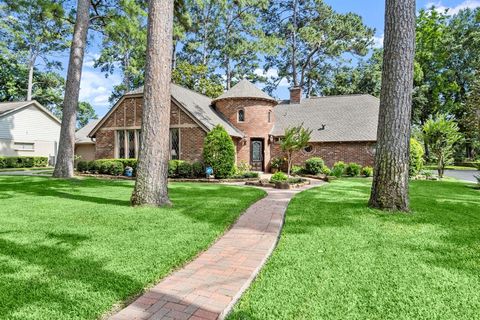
[[256, 154]]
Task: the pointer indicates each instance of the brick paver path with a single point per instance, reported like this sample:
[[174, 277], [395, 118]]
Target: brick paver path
[[209, 286]]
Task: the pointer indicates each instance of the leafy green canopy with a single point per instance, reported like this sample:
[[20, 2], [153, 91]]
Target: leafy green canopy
[[294, 140], [219, 152], [440, 134]]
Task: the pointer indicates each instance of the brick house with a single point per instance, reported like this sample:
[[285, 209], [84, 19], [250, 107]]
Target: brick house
[[344, 127]]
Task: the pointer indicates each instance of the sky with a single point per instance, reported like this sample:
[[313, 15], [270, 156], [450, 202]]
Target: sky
[[96, 88]]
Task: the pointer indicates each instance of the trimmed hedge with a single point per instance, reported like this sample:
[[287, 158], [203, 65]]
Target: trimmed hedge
[[116, 167], [23, 162]]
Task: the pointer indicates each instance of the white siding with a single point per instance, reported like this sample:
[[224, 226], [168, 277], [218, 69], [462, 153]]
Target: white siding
[[29, 125]]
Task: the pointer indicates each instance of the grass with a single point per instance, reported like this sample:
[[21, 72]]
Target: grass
[[461, 168], [24, 169], [71, 249], [337, 259]]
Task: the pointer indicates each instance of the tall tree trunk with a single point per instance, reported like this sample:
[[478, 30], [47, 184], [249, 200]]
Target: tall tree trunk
[[152, 170], [30, 80], [294, 44], [64, 164], [390, 182]]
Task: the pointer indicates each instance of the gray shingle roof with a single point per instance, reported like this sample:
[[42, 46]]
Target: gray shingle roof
[[10, 106], [81, 136], [245, 89], [199, 106], [346, 118]]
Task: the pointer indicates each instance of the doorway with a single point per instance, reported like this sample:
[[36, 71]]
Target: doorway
[[257, 154]]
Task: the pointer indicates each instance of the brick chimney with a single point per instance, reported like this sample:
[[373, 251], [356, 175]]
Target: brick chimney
[[295, 95]]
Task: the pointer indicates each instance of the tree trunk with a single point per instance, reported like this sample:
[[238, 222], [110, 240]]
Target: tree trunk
[[294, 44], [30, 80], [152, 170], [64, 164], [390, 182]]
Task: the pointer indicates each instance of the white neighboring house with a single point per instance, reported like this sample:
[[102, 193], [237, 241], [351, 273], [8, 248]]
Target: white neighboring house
[[28, 129]]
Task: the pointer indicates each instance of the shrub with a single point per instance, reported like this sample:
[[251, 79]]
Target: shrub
[[93, 166], [219, 152], [198, 170], [278, 177], [326, 171], [115, 168], [295, 180], [416, 157], [173, 168], [243, 167], [338, 169], [23, 162], [296, 170], [277, 163], [314, 165], [251, 174], [353, 169], [184, 170], [367, 171], [82, 166], [477, 165]]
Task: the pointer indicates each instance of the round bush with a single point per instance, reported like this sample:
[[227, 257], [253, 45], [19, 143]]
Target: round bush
[[82, 166], [115, 168], [416, 157], [219, 152], [278, 177], [314, 165], [326, 171], [338, 169], [353, 169], [367, 171], [184, 170]]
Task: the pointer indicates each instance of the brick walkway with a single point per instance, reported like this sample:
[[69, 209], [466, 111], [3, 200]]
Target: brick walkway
[[209, 286]]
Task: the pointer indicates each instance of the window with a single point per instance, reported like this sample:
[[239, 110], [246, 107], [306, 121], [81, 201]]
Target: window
[[241, 115], [24, 146], [174, 144], [308, 149], [128, 144], [269, 116]]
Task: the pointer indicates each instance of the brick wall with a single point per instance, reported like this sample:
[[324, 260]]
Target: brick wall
[[128, 115], [256, 124], [331, 152]]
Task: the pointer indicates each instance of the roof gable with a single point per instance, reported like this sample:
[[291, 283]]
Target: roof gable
[[196, 105], [7, 108]]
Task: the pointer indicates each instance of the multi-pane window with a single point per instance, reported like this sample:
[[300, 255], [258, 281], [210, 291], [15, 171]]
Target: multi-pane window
[[174, 144], [24, 146], [128, 144], [241, 115]]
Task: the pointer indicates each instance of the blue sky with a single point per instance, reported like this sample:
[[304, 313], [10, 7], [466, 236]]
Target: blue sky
[[96, 89]]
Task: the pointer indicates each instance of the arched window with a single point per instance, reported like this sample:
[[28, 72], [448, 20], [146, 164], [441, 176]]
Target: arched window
[[241, 115]]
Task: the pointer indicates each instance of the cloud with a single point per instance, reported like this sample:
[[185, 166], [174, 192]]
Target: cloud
[[96, 89], [272, 74], [90, 60], [467, 4], [378, 41]]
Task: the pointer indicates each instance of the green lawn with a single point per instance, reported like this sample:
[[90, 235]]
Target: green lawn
[[70, 249], [25, 169], [339, 260]]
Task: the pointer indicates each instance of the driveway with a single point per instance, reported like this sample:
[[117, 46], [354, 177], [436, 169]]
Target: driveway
[[466, 175]]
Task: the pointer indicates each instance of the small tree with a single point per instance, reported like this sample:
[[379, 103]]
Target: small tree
[[294, 140], [441, 133], [416, 157], [219, 152]]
